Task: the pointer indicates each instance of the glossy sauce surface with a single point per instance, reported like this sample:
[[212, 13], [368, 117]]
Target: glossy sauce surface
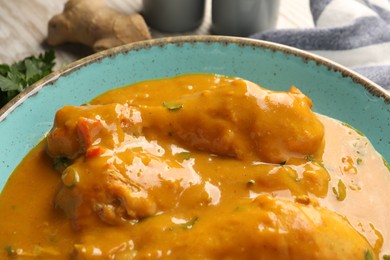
[[260, 177]]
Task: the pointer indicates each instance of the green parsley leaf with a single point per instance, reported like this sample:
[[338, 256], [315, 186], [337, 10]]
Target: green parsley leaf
[[7, 84], [31, 69], [386, 257], [4, 68], [18, 76], [172, 106]]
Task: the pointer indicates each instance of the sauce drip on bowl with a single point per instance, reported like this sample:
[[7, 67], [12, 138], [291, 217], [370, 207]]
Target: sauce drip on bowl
[[198, 166]]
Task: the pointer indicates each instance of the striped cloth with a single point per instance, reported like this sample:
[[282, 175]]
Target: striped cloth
[[353, 33]]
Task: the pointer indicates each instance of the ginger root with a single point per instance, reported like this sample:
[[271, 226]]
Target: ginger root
[[94, 24]]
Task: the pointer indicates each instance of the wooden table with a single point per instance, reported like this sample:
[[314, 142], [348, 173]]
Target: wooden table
[[23, 26]]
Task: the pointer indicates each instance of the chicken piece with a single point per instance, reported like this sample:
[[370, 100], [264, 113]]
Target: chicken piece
[[265, 228], [239, 120], [277, 229], [103, 179], [105, 193]]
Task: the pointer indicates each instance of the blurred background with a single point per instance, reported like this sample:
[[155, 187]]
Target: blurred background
[[24, 23]]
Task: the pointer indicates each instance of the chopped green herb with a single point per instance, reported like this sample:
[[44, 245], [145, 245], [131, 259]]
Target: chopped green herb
[[386, 257], [16, 77], [341, 191], [368, 255], [10, 251], [190, 223], [282, 163], [172, 106], [359, 161], [354, 129], [184, 155]]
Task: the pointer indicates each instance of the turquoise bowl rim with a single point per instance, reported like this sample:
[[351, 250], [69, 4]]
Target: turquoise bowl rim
[[373, 88]]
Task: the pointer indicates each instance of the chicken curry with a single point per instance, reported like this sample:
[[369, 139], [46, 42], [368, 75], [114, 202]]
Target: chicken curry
[[197, 167]]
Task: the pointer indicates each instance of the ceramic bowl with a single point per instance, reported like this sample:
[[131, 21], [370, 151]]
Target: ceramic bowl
[[335, 90]]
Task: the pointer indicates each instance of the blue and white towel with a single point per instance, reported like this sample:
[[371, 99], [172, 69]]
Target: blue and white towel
[[353, 33]]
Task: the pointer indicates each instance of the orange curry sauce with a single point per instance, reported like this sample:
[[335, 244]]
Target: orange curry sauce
[[197, 167]]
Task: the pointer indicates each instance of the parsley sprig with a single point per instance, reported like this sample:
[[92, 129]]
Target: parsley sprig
[[16, 77]]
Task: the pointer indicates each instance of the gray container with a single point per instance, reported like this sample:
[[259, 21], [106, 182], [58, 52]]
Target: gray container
[[243, 17], [174, 15]]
